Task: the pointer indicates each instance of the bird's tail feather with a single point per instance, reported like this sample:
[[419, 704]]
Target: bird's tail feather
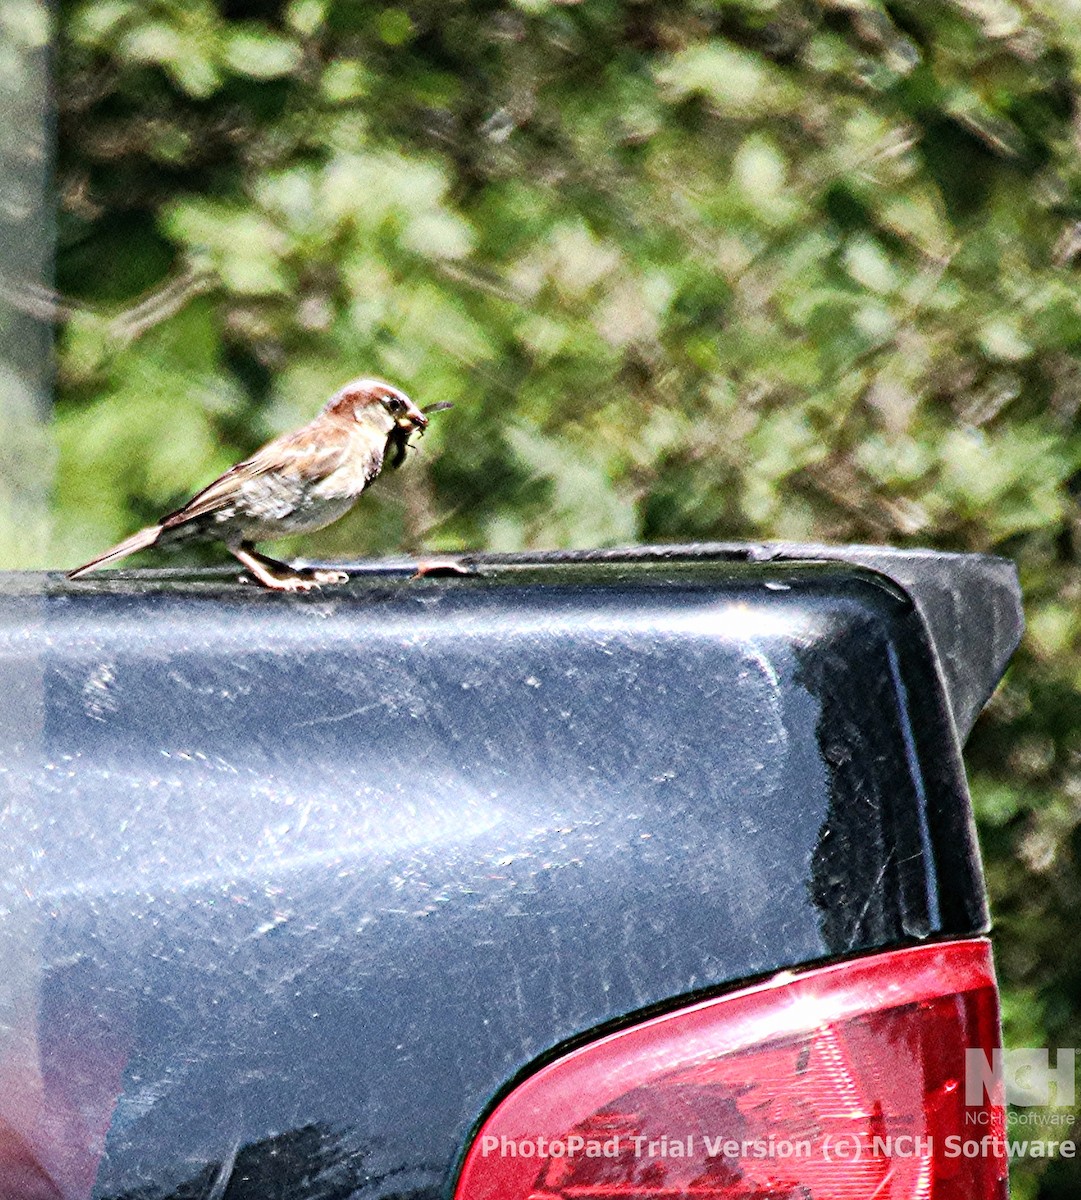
[[137, 541]]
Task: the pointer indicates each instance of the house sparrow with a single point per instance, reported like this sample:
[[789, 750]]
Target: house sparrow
[[298, 482]]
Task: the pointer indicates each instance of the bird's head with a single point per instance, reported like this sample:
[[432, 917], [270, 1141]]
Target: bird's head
[[385, 411], [378, 405]]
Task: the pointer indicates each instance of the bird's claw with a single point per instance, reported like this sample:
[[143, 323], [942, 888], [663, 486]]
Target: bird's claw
[[281, 583], [440, 566], [301, 579]]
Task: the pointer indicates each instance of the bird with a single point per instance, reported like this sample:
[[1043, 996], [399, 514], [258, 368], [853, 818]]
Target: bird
[[297, 483]]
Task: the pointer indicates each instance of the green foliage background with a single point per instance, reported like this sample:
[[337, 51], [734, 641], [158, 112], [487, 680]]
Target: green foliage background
[[758, 268]]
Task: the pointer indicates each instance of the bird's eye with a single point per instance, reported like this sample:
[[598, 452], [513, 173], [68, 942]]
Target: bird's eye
[[394, 405]]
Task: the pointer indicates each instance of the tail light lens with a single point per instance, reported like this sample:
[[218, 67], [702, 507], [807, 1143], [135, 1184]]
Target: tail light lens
[[843, 1083]]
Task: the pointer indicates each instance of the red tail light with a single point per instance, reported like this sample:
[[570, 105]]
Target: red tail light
[[843, 1083]]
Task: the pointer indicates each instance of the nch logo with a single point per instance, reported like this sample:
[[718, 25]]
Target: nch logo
[[1026, 1075]]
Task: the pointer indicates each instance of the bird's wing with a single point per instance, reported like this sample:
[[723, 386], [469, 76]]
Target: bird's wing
[[296, 455]]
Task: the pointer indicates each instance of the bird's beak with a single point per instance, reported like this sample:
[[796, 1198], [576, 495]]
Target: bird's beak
[[416, 418], [412, 420]]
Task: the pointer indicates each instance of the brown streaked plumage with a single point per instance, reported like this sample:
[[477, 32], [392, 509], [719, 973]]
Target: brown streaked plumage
[[299, 482]]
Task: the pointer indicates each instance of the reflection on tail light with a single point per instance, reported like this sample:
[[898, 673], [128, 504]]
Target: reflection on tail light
[[842, 1083]]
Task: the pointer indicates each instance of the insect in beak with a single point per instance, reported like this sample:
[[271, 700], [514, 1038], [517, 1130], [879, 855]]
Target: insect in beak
[[418, 418], [408, 423]]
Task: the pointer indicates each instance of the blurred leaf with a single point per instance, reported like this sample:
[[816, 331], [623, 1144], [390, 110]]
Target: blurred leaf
[[734, 81], [261, 54]]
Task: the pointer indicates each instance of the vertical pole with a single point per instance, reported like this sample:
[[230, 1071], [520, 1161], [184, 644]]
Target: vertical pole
[[27, 230]]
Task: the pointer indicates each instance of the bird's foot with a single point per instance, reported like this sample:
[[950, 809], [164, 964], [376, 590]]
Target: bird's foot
[[318, 576], [281, 583], [440, 566], [281, 577], [293, 583]]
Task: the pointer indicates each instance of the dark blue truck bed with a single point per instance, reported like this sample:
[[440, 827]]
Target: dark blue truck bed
[[296, 888]]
